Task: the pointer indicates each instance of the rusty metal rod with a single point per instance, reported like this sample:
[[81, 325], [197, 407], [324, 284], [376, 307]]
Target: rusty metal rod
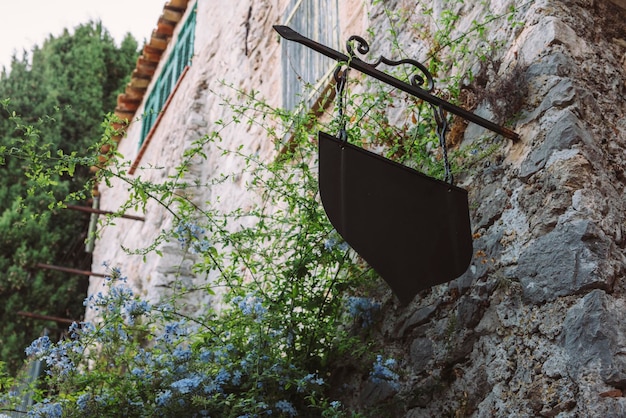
[[103, 212], [69, 270], [46, 317], [354, 62]]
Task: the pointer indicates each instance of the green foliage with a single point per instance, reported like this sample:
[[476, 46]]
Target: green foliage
[[53, 102]]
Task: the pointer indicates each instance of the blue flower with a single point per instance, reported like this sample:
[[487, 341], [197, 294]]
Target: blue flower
[[364, 309], [312, 378], [120, 293], [182, 354], [45, 409], [287, 408], [187, 384], [236, 380], [309, 379], [144, 357], [335, 241], [83, 400], [190, 236], [135, 308], [104, 399], [381, 372], [206, 355], [163, 398], [55, 356], [39, 347], [222, 377], [173, 330], [137, 372], [201, 246], [251, 305]]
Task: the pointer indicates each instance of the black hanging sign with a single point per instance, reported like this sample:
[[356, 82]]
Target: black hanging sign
[[414, 230]]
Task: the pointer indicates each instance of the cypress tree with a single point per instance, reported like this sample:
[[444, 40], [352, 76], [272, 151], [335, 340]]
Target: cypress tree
[[64, 89]]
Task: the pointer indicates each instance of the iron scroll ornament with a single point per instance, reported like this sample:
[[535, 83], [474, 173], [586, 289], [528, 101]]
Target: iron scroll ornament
[[412, 229], [424, 82]]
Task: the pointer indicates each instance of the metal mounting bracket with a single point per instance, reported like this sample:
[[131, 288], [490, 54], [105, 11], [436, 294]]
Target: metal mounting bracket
[[414, 88]]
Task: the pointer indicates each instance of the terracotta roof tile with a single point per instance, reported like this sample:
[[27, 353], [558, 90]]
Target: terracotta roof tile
[[151, 55], [145, 68]]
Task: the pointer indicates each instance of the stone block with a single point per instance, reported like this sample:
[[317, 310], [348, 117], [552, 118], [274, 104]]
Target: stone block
[[419, 317], [592, 340], [565, 261], [421, 353], [565, 133], [535, 40]]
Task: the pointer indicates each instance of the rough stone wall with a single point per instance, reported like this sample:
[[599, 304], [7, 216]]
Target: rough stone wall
[[536, 325]]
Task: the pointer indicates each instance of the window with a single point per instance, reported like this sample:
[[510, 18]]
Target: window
[[179, 58], [303, 68]]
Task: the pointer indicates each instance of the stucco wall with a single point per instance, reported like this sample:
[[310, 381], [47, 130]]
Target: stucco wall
[[235, 49], [189, 116], [535, 326]]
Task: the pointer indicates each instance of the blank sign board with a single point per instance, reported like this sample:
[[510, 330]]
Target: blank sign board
[[412, 229]]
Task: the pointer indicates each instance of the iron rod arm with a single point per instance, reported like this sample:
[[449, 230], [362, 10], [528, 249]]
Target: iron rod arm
[[359, 65], [103, 212], [46, 317], [69, 270]]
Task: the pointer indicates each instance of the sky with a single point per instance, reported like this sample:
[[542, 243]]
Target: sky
[[27, 23]]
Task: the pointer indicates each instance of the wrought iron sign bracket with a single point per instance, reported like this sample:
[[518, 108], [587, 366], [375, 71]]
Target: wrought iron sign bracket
[[414, 230], [414, 88]]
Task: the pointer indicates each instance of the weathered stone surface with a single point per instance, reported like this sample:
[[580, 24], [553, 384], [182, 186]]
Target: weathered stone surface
[[486, 248], [535, 39], [492, 200], [469, 311], [419, 317], [421, 353], [560, 93], [548, 398], [460, 347], [555, 367], [422, 394], [563, 262], [565, 133], [374, 393], [594, 340], [554, 64]]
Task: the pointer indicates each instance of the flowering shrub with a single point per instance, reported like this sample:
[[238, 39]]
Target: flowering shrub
[[363, 309], [142, 360]]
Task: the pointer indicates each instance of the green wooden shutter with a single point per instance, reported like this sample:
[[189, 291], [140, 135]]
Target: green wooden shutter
[[179, 58]]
